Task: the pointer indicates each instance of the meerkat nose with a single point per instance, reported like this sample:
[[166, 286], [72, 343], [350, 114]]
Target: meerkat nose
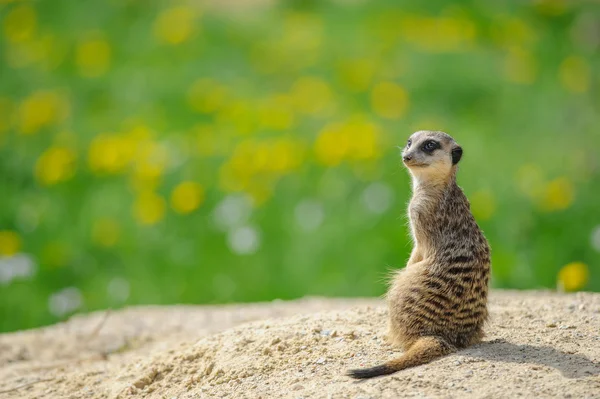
[[407, 158]]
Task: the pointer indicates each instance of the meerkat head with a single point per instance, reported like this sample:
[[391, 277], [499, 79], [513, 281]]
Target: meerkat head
[[431, 156]]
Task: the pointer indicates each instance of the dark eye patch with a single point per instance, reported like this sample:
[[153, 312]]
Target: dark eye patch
[[430, 146], [408, 143]]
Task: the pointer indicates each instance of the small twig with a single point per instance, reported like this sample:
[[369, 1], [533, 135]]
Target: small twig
[[25, 385], [96, 330]]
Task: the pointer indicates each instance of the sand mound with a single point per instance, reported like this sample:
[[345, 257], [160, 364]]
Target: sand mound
[[538, 345]]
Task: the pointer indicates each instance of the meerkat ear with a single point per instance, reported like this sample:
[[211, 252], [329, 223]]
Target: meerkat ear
[[456, 154]]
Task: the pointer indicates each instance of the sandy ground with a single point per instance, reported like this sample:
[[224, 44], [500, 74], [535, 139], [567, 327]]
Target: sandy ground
[[538, 344]]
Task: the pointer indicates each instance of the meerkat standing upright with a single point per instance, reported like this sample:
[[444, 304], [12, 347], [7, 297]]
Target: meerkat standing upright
[[438, 303]]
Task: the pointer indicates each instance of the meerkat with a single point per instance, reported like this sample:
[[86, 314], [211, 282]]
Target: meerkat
[[438, 302]]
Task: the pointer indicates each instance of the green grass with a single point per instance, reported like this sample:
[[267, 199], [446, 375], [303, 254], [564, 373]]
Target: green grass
[[299, 108]]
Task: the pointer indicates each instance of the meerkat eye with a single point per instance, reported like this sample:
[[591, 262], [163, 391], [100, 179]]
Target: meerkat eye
[[408, 143], [429, 146]]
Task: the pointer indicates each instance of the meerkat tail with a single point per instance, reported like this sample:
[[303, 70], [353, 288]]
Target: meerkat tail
[[424, 350]]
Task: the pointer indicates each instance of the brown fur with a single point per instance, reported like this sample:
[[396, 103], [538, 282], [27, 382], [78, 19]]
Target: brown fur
[[438, 303]]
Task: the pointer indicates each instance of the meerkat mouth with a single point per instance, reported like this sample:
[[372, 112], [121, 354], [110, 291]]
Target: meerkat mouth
[[415, 165]]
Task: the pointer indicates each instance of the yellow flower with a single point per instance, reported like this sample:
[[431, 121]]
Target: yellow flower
[[138, 132], [574, 74], [311, 95], [355, 140], [149, 208], [175, 25], [150, 161], [285, 155], [364, 139], [331, 145], [41, 109], [558, 195], [55, 165], [20, 24], [10, 243], [256, 166], [551, 7], [110, 153], [249, 158], [357, 74], [454, 34], [573, 276], [93, 56], [238, 116], [207, 96], [105, 232], [483, 205], [276, 113], [186, 197], [256, 159], [520, 66], [389, 100]]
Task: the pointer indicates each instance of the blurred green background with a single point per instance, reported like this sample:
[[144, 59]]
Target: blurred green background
[[158, 152]]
